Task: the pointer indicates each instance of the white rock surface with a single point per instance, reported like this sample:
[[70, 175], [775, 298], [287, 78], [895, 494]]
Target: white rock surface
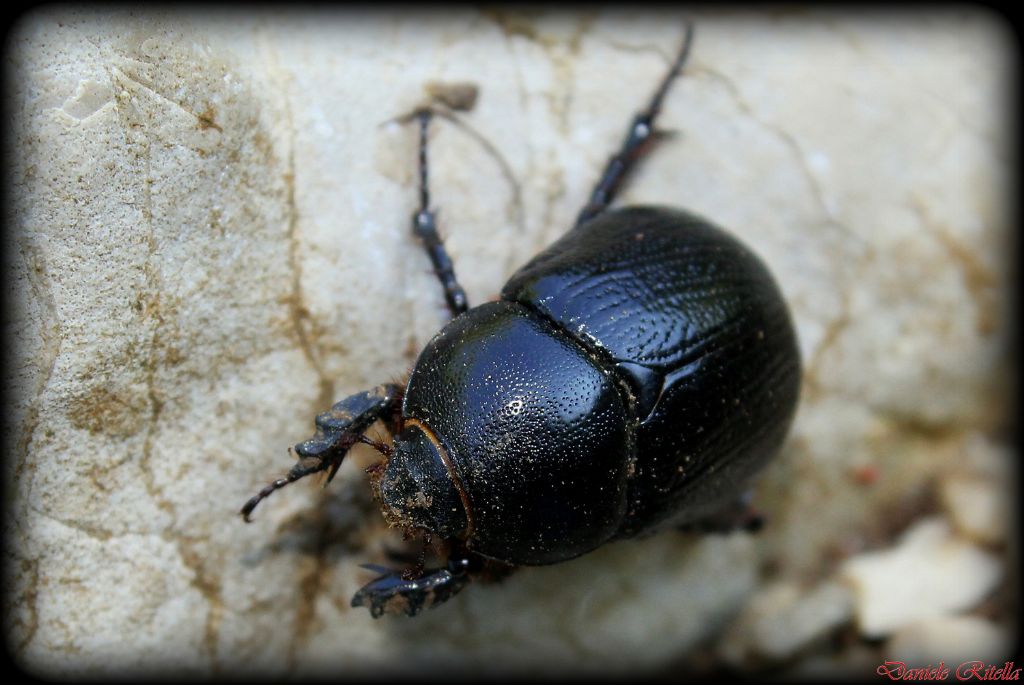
[[929, 574], [783, 618], [979, 492], [978, 507], [208, 243], [952, 640]]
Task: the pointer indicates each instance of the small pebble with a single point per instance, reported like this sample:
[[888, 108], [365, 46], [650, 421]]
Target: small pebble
[[930, 573], [977, 507], [782, 619], [950, 639]]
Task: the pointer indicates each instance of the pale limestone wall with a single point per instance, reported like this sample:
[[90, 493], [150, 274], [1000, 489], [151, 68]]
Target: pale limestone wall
[[207, 242]]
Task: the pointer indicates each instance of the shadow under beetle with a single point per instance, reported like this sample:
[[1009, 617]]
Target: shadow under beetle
[[634, 374]]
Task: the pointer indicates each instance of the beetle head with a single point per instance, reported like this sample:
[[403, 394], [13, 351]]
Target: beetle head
[[416, 487]]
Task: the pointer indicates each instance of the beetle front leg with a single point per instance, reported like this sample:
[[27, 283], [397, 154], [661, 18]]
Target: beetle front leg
[[337, 430], [393, 593]]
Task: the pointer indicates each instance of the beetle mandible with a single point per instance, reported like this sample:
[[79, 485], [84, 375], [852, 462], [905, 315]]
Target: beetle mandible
[[633, 375]]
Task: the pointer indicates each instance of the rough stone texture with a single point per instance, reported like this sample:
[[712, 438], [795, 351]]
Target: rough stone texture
[[207, 242]]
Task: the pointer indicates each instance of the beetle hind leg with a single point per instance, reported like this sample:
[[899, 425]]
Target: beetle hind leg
[[337, 430]]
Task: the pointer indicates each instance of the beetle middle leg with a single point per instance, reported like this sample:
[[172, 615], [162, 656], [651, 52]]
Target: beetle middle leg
[[424, 226], [638, 138], [337, 430]]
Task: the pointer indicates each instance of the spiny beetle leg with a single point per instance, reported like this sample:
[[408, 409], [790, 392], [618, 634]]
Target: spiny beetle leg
[[638, 138], [337, 430], [392, 593]]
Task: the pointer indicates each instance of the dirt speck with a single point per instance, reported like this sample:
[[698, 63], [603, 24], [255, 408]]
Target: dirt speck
[[117, 411]]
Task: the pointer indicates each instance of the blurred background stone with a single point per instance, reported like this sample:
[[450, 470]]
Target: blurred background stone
[[928, 575]]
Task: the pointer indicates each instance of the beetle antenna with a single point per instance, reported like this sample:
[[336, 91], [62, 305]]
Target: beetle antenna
[[381, 447]]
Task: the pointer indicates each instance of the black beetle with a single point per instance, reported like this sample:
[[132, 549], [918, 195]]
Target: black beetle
[[635, 374]]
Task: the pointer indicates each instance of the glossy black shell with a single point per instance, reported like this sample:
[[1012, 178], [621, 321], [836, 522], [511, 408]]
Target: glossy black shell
[[636, 372]]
